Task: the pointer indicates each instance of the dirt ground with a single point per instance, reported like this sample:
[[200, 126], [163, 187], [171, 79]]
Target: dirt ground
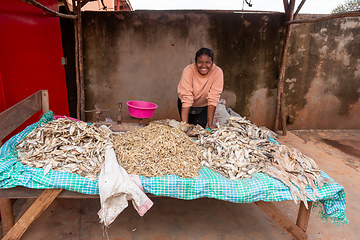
[[335, 151]]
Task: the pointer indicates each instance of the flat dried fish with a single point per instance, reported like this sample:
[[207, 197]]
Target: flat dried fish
[[66, 145], [157, 150]]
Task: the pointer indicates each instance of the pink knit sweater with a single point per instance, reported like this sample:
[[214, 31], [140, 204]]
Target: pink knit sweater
[[196, 90]]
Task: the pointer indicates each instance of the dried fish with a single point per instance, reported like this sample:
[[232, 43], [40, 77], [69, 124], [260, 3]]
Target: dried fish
[[189, 129], [238, 149], [158, 150], [66, 145], [300, 169], [231, 153]]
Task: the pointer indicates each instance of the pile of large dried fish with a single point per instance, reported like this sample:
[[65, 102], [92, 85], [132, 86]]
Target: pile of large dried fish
[[66, 145], [157, 150], [238, 149], [295, 169], [248, 129]]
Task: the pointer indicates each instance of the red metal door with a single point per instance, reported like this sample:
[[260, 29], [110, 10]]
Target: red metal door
[[30, 55]]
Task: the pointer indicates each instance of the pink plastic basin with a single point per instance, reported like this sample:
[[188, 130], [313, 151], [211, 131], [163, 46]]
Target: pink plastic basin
[[58, 116], [141, 109]]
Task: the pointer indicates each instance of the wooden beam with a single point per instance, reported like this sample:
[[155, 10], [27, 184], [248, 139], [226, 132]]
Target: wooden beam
[[49, 10], [303, 216], [81, 63], [16, 115], [299, 8], [34, 211], [24, 192], [282, 220], [331, 16], [280, 100], [7, 215], [77, 76], [286, 6], [282, 109]]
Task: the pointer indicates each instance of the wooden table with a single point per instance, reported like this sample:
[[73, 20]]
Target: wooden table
[[13, 117]]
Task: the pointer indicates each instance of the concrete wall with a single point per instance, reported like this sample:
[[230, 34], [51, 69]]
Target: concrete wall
[[322, 82], [140, 56]]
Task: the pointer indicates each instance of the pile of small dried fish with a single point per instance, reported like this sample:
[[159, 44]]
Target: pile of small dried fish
[[157, 150], [238, 149], [66, 145]]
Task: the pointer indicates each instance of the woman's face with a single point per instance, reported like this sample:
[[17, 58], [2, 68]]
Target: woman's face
[[204, 64]]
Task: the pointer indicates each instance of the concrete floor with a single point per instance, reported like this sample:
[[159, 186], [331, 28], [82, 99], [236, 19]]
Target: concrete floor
[[335, 151]]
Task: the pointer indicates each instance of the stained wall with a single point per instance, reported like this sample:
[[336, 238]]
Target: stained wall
[[322, 82]]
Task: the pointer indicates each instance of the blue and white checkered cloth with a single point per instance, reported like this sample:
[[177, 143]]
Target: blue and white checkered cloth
[[207, 184]]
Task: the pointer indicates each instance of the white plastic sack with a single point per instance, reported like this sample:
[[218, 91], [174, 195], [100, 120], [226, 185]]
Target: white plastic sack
[[233, 113], [116, 188], [221, 114]]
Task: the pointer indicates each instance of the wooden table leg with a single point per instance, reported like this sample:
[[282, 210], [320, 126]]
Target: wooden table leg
[[7, 215], [34, 211], [303, 216]]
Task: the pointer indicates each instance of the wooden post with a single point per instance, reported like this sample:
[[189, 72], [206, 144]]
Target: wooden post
[[7, 215], [303, 216], [34, 211], [45, 101], [286, 6], [282, 110], [81, 62], [77, 63], [280, 105]]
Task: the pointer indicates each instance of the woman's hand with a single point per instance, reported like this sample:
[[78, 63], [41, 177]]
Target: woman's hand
[[211, 126]]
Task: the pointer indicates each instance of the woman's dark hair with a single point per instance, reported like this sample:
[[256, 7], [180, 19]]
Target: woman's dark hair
[[206, 51]]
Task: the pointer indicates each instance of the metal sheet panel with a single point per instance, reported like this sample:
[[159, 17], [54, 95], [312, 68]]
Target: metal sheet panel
[[31, 51]]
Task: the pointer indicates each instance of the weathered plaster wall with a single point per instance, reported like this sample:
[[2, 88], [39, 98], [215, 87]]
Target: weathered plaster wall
[[322, 82], [140, 56]]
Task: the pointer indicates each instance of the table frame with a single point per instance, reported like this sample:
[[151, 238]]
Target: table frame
[[44, 198]]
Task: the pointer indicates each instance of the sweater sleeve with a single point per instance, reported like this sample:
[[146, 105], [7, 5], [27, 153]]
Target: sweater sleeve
[[216, 88], [185, 88]]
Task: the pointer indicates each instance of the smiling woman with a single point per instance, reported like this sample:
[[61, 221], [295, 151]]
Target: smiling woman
[[204, 61], [199, 90]]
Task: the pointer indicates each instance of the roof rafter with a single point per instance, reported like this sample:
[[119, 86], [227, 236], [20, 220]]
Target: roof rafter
[[46, 9]]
